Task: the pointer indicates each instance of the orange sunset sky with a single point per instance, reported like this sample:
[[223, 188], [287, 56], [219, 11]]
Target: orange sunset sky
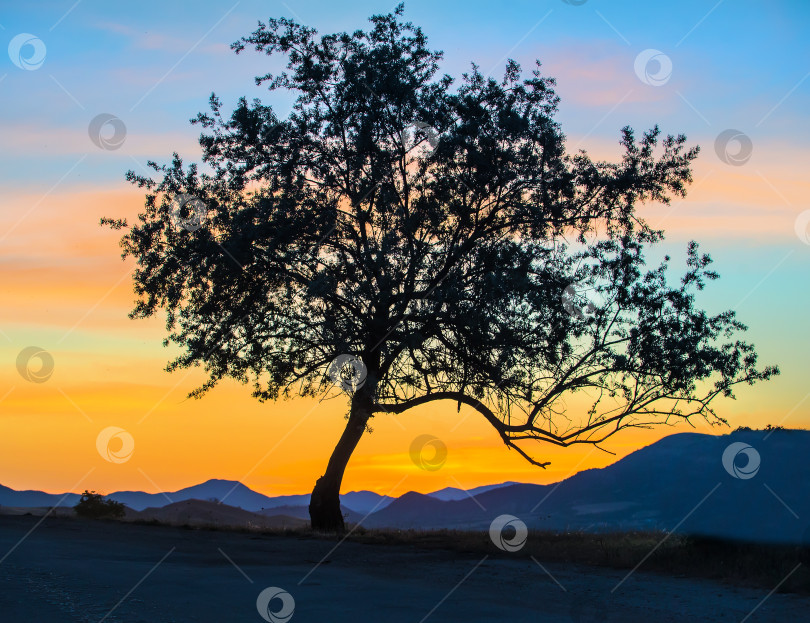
[[66, 290]]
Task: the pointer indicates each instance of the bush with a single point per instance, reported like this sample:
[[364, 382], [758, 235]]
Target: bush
[[94, 506]]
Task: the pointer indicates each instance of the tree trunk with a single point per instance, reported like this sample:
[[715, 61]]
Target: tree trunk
[[324, 504]]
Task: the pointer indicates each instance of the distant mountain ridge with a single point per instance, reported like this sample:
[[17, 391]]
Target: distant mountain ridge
[[10, 497], [230, 492], [690, 482], [678, 483]]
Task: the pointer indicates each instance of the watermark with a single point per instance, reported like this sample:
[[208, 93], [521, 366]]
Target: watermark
[[284, 606], [421, 138], [575, 2], [107, 131], [751, 466], [653, 67], [504, 525], [802, 227], [723, 147], [574, 308], [188, 212], [27, 51], [35, 372], [428, 453], [115, 452], [347, 372]]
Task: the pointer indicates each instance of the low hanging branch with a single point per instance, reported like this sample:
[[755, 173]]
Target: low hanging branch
[[646, 352]]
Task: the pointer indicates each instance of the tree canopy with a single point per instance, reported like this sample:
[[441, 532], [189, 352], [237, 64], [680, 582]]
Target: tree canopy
[[437, 235]]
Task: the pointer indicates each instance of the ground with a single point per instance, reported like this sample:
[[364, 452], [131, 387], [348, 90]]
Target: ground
[[82, 571]]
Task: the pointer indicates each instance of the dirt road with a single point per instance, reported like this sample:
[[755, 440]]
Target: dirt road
[[78, 571]]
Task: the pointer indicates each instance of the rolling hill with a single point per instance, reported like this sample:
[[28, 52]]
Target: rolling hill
[[230, 492], [678, 483]]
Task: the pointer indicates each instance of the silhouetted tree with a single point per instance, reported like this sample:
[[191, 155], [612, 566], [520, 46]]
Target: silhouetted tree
[[94, 506], [428, 243]]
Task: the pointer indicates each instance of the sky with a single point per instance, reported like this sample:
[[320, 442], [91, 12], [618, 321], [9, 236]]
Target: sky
[[711, 70]]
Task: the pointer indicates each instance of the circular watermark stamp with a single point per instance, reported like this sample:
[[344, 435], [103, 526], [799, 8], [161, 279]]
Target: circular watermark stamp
[[115, 444], [188, 212], [574, 306], [35, 364], [733, 147], [751, 466], [428, 452], [802, 227], [107, 131], [27, 51], [653, 67], [347, 372], [508, 533], [420, 138], [275, 605]]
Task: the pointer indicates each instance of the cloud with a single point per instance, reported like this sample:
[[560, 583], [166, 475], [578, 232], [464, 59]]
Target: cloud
[[22, 140], [163, 41], [598, 73]]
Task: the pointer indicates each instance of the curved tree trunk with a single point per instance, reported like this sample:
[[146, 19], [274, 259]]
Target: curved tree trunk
[[324, 504]]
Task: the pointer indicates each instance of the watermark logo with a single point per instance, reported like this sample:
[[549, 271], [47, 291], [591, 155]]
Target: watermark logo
[[653, 67], [428, 453], [27, 51], [421, 138], [115, 444], [38, 372], [751, 466], [279, 612], [573, 308], [188, 212], [107, 131], [347, 372], [501, 529], [802, 227], [725, 150]]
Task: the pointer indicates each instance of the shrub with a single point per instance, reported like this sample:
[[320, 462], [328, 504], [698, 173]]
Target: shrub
[[94, 506]]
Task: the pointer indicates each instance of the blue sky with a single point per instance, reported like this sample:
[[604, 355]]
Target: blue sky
[[732, 63]]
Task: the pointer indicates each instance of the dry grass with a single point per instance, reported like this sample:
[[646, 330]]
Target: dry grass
[[744, 564], [747, 564]]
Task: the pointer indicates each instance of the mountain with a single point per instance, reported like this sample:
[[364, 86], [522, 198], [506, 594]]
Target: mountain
[[205, 513], [452, 493], [418, 511], [10, 497], [364, 501], [359, 501], [678, 483], [234, 493], [230, 492]]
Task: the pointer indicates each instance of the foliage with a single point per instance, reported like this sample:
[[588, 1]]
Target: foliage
[[93, 505], [496, 271]]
